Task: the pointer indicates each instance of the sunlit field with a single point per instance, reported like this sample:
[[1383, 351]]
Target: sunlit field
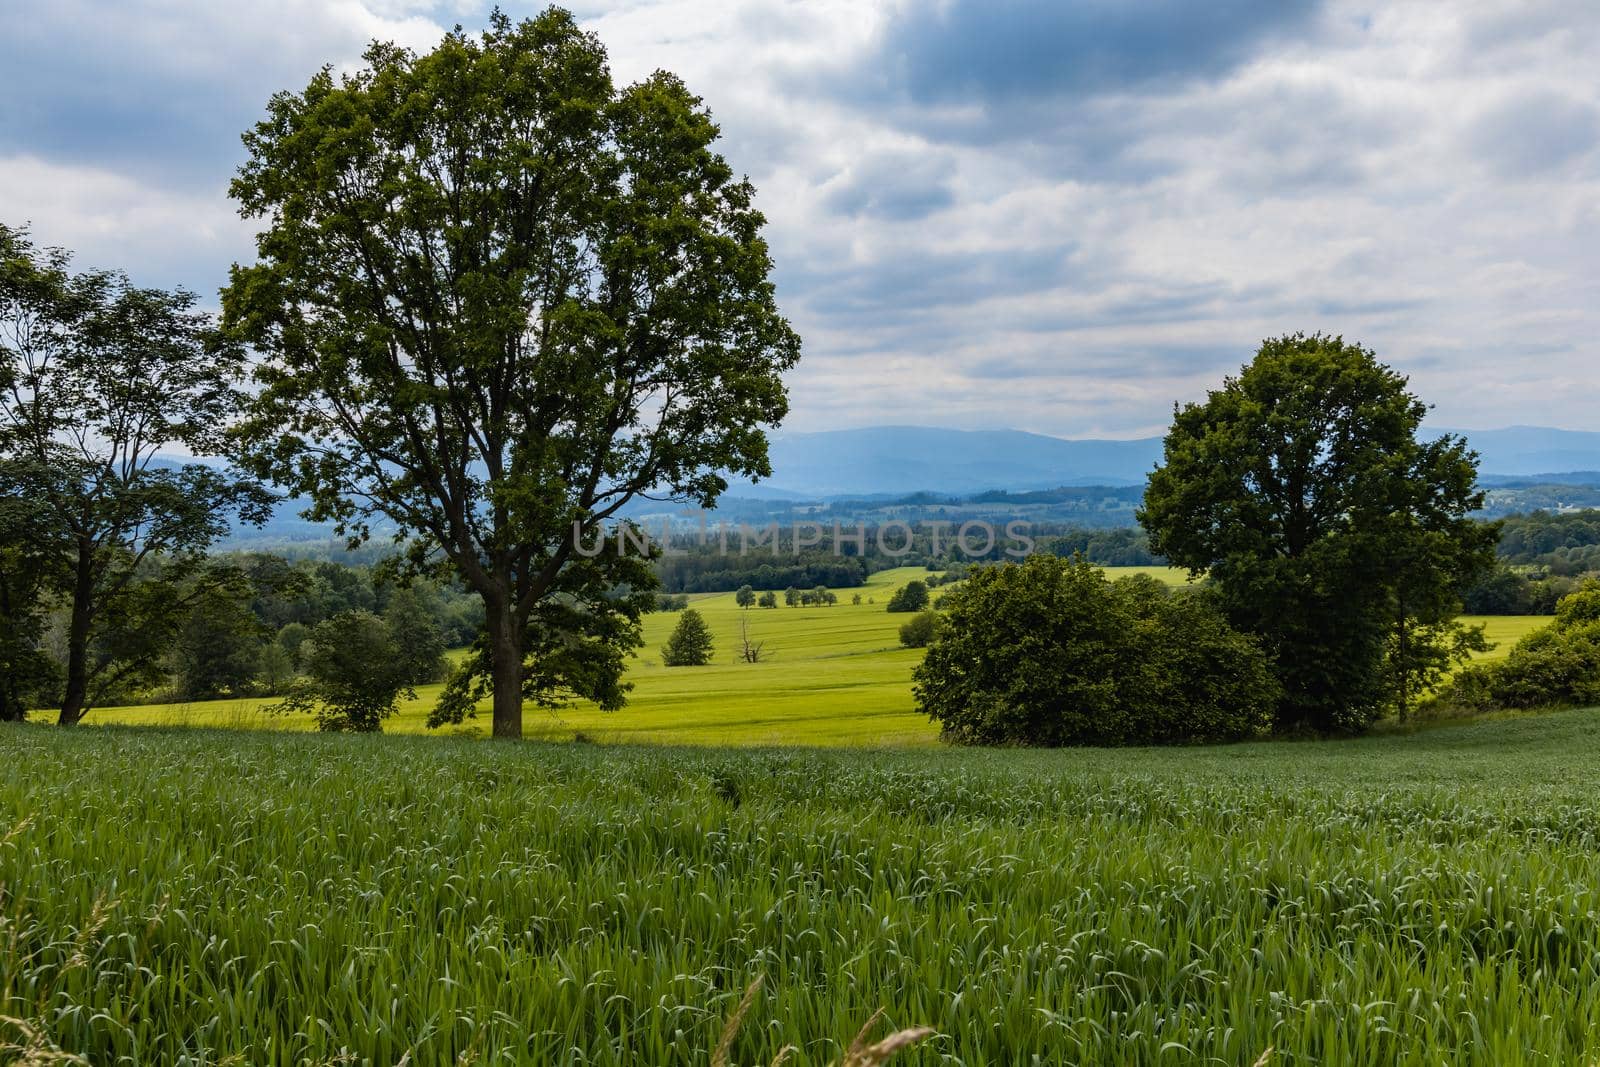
[[831, 676]]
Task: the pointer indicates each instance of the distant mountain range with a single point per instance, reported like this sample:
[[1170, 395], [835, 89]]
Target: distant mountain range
[[1523, 467], [895, 460]]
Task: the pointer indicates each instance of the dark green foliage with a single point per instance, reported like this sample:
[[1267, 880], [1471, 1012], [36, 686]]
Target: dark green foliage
[[821, 596], [29, 677], [1329, 529], [672, 601], [1511, 591], [218, 651], [1109, 548], [769, 599], [498, 297], [913, 596], [791, 597], [1560, 543], [920, 631], [1048, 652], [745, 597], [1557, 666], [418, 643], [354, 678], [696, 568], [690, 643]]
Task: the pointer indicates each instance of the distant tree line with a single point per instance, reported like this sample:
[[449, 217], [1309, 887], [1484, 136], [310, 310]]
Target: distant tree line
[[1565, 543], [706, 569]]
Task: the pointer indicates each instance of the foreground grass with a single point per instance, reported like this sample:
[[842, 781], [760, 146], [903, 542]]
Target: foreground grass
[[182, 896]]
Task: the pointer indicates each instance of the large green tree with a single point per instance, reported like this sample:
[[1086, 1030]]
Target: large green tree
[[498, 297], [1330, 527], [100, 377]]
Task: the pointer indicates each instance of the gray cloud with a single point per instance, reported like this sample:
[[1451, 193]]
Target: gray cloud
[[1534, 133], [897, 185], [1000, 51], [162, 92]]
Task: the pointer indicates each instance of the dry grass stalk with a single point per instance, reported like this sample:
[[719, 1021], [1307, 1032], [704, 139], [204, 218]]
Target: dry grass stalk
[[860, 1054], [30, 1046]]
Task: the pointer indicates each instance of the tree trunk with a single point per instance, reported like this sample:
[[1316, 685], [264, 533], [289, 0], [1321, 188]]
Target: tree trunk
[[505, 655], [77, 692]]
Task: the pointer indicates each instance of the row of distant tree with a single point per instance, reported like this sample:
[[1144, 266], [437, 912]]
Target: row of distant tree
[[254, 633]]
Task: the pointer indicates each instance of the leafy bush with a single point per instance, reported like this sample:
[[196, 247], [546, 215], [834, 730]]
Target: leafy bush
[[354, 676], [1505, 591], [769, 599], [672, 601], [1557, 666], [1048, 652], [690, 643], [913, 596], [920, 631]]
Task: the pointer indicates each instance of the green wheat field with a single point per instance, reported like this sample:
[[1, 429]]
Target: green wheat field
[[205, 896], [272, 896]]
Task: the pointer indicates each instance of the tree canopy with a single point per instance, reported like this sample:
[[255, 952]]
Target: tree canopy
[[1329, 526], [497, 297]]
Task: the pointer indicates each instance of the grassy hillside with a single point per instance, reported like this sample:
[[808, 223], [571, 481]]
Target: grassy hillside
[[188, 896], [834, 676]]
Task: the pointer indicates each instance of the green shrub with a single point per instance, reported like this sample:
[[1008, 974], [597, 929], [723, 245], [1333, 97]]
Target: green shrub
[[920, 631], [1557, 666], [690, 643], [1048, 652], [913, 596], [354, 675]]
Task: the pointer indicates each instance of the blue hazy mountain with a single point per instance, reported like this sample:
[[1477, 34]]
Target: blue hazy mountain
[[896, 460], [1521, 451]]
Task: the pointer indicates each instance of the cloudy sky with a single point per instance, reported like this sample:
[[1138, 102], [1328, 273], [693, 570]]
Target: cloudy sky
[[1058, 215]]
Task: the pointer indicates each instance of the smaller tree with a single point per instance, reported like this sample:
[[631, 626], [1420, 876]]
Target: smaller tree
[[275, 669], [824, 596], [921, 630], [690, 643], [749, 651], [792, 596], [354, 679], [856, 599], [769, 599], [913, 596], [418, 642], [745, 597], [292, 637], [219, 646]]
